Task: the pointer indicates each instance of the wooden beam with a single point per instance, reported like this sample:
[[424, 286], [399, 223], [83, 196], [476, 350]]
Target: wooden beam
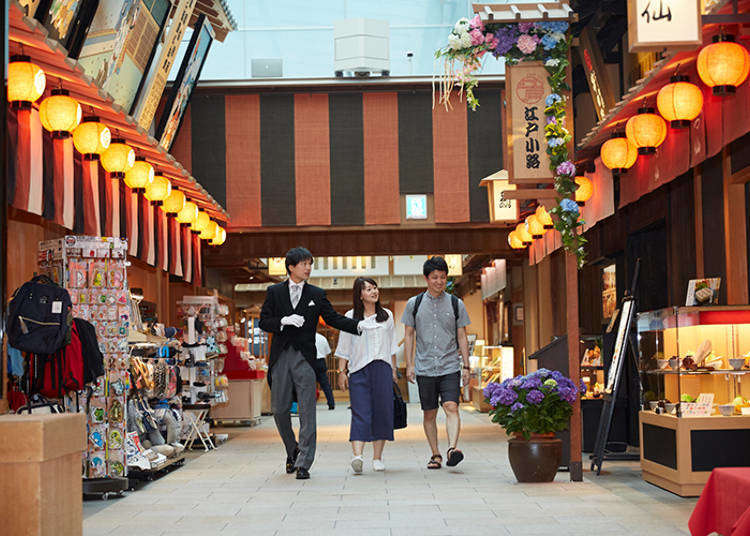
[[531, 182], [531, 194], [698, 213]]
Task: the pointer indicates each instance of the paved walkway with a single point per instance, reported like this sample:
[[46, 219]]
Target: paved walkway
[[241, 488]]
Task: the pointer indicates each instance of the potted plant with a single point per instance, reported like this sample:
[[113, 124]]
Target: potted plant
[[532, 408]]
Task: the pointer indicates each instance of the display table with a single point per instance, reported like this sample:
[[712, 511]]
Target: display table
[[40, 473], [724, 505], [245, 401], [678, 454]]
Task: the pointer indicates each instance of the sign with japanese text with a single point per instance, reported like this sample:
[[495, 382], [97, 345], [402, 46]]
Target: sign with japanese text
[[501, 208], [527, 149], [657, 24], [596, 74]]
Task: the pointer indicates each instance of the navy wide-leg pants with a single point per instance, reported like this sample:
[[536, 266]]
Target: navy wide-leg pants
[[371, 393]]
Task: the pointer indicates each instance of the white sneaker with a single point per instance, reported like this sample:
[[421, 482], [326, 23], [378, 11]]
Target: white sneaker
[[378, 465], [357, 463]]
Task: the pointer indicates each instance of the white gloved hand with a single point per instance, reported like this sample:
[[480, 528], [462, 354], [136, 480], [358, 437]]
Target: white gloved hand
[[293, 320]]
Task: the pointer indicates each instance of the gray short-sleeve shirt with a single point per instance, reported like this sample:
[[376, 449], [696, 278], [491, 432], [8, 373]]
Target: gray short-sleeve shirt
[[437, 347]]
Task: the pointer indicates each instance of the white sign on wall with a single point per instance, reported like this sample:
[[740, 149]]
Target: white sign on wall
[[657, 24]]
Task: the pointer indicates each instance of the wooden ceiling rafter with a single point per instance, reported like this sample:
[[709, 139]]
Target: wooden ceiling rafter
[[28, 36]]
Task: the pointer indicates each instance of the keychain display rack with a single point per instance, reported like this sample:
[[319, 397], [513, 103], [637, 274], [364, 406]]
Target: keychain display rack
[[94, 271]]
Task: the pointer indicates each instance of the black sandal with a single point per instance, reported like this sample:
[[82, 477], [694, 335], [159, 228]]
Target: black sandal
[[454, 457], [436, 462]]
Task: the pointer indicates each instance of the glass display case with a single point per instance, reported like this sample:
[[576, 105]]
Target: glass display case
[[694, 373], [686, 352]]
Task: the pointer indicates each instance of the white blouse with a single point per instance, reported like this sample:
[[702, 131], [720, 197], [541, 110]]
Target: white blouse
[[372, 344]]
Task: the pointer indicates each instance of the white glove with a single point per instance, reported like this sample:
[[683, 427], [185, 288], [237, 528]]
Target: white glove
[[293, 320], [367, 324]]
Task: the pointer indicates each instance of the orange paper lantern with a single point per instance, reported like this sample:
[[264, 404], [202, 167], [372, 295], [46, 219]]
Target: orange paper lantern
[[60, 113], [188, 214], [618, 154], [646, 130], [174, 203], [544, 217], [584, 191], [723, 65], [201, 222], [118, 159], [158, 190], [26, 82], [534, 226], [140, 175], [92, 137], [679, 102], [523, 234], [514, 242]]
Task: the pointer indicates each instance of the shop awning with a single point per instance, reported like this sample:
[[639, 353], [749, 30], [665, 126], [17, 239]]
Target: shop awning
[[27, 36]]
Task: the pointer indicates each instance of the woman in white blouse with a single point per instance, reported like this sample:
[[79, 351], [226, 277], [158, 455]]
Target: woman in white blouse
[[371, 371]]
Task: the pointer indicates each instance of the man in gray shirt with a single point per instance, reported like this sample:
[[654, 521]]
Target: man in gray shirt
[[437, 321]]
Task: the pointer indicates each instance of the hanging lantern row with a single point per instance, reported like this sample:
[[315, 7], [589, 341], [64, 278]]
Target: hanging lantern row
[[533, 227], [61, 115], [722, 66]]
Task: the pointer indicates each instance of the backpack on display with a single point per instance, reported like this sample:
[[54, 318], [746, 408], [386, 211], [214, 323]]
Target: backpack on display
[[93, 360], [53, 375], [39, 317]]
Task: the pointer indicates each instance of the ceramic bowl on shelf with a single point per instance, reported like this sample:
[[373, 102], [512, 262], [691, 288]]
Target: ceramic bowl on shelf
[[737, 363], [653, 405], [670, 407], [674, 363], [662, 363], [726, 409]]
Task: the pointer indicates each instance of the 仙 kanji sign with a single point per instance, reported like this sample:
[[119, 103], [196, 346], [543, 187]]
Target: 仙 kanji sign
[[656, 24]]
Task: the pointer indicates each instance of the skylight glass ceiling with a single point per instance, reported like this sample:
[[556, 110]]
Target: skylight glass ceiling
[[300, 35]]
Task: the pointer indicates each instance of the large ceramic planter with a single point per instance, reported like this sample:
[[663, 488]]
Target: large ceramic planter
[[535, 459]]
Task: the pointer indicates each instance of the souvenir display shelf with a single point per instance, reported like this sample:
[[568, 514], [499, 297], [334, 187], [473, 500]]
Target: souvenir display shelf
[[696, 416], [93, 270]]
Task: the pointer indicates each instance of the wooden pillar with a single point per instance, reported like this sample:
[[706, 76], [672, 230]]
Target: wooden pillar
[[574, 364], [698, 214], [735, 237]]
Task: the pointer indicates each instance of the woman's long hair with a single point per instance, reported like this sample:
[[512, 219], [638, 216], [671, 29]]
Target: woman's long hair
[[359, 306]]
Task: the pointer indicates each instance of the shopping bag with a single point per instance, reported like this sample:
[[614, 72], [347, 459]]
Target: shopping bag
[[399, 408]]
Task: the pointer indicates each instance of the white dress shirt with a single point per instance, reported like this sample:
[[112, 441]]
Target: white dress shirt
[[372, 344], [322, 346], [295, 292]]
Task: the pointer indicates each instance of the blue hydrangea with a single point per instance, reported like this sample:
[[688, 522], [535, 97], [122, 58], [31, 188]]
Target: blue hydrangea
[[515, 407], [568, 205], [553, 26], [549, 42], [504, 396], [552, 98], [555, 142], [535, 397], [532, 382]]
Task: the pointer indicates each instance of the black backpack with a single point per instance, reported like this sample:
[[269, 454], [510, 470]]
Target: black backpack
[[93, 360], [39, 317]]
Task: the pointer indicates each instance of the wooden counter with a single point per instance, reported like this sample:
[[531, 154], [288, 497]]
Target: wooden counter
[[678, 454]]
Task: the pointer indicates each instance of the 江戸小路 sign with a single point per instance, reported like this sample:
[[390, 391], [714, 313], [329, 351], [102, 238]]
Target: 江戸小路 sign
[[527, 91], [656, 24]]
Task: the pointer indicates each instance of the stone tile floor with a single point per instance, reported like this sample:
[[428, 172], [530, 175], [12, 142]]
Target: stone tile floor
[[241, 488]]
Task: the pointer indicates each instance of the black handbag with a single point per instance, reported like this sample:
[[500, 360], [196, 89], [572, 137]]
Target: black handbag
[[399, 408]]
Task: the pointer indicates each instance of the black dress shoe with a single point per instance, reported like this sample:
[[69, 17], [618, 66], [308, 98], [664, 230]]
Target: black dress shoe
[[331, 406], [302, 473], [290, 461]]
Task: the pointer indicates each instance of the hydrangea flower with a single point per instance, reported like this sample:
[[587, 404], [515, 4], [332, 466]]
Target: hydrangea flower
[[535, 397], [506, 37], [505, 397], [527, 43], [549, 42], [531, 382], [525, 27], [454, 42], [566, 168], [477, 38], [555, 142], [550, 382], [490, 40], [552, 62], [552, 98], [568, 205], [553, 26], [476, 22], [515, 407]]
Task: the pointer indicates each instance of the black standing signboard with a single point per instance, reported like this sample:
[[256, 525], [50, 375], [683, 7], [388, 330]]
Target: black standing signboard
[[625, 340]]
